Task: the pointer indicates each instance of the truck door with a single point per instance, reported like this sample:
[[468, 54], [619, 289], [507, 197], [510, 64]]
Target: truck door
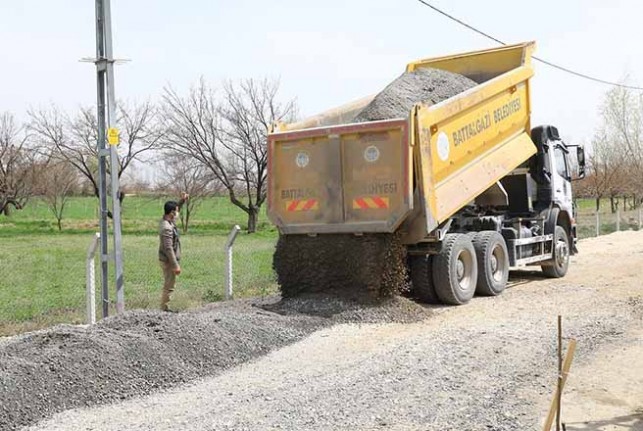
[[561, 179]]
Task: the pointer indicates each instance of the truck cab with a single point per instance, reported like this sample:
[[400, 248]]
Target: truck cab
[[553, 169]]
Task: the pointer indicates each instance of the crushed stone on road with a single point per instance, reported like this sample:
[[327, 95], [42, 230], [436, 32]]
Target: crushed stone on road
[[142, 351]]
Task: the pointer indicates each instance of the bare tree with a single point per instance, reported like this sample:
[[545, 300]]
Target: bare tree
[[75, 139], [57, 184], [621, 134], [605, 162], [17, 165], [187, 175], [228, 137], [249, 109]]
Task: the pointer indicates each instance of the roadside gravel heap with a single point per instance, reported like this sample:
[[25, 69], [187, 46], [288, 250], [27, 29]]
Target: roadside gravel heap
[[427, 85], [49, 371], [347, 309]]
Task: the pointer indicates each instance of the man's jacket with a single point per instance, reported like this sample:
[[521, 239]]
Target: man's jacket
[[170, 245]]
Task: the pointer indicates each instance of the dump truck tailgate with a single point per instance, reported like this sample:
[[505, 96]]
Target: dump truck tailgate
[[349, 178]]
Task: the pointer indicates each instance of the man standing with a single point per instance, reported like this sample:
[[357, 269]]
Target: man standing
[[170, 248]]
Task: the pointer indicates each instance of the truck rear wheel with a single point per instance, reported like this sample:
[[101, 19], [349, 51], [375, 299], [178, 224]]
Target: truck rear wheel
[[557, 267], [455, 270], [493, 263], [422, 279]]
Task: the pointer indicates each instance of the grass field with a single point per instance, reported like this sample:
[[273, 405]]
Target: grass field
[[140, 216], [43, 270]]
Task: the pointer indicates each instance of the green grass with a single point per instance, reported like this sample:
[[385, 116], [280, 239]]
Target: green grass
[[43, 270], [140, 215], [589, 205]]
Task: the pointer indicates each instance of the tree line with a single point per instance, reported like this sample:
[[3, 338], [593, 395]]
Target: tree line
[[209, 141], [615, 170], [213, 141]]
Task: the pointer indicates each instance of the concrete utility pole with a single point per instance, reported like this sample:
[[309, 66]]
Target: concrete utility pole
[[107, 131]]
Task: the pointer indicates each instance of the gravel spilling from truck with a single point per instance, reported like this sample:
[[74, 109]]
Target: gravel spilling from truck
[[426, 85], [361, 266], [143, 351]]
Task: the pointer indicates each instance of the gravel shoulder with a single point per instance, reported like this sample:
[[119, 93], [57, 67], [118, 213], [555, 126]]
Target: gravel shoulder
[[489, 365]]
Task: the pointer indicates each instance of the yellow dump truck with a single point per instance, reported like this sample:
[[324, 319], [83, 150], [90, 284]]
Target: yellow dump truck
[[444, 199]]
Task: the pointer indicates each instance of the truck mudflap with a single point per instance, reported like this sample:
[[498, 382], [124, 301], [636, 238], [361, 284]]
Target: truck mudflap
[[352, 178]]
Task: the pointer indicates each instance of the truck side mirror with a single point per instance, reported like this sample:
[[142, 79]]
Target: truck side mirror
[[553, 133], [580, 157]]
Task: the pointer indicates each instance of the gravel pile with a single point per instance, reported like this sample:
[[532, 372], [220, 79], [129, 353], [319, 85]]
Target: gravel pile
[[429, 86], [344, 309], [142, 351]]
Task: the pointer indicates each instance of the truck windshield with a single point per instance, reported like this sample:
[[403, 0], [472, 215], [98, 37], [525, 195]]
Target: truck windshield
[[561, 162]]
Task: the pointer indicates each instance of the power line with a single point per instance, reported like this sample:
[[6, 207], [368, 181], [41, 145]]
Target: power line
[[548, 63]]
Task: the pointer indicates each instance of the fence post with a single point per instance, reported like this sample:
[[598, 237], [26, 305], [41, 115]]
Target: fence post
[[618, 219], [90, 280], [598, 224], [228, 267]]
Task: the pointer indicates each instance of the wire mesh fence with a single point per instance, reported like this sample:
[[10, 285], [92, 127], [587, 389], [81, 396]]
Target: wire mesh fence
[[603, 222], [43, 277], [202, 278]]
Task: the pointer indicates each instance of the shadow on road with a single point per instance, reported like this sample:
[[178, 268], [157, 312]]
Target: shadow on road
[[527, 275], [518, 277], [629, 422]]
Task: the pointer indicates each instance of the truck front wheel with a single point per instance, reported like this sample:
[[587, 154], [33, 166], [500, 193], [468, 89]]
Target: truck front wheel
[[455, 270], [493, 263], [557, 267]]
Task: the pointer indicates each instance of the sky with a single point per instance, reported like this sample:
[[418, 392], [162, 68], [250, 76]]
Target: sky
[[325, 53]]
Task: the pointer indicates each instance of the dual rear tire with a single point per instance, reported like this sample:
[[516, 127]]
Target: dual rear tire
[[493, 263], [465, 265], [455, 270]]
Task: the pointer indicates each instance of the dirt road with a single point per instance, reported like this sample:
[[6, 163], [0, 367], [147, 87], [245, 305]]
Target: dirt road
[[489, 365]]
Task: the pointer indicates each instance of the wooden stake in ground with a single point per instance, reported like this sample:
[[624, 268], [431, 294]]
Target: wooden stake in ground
[[565, 372]]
